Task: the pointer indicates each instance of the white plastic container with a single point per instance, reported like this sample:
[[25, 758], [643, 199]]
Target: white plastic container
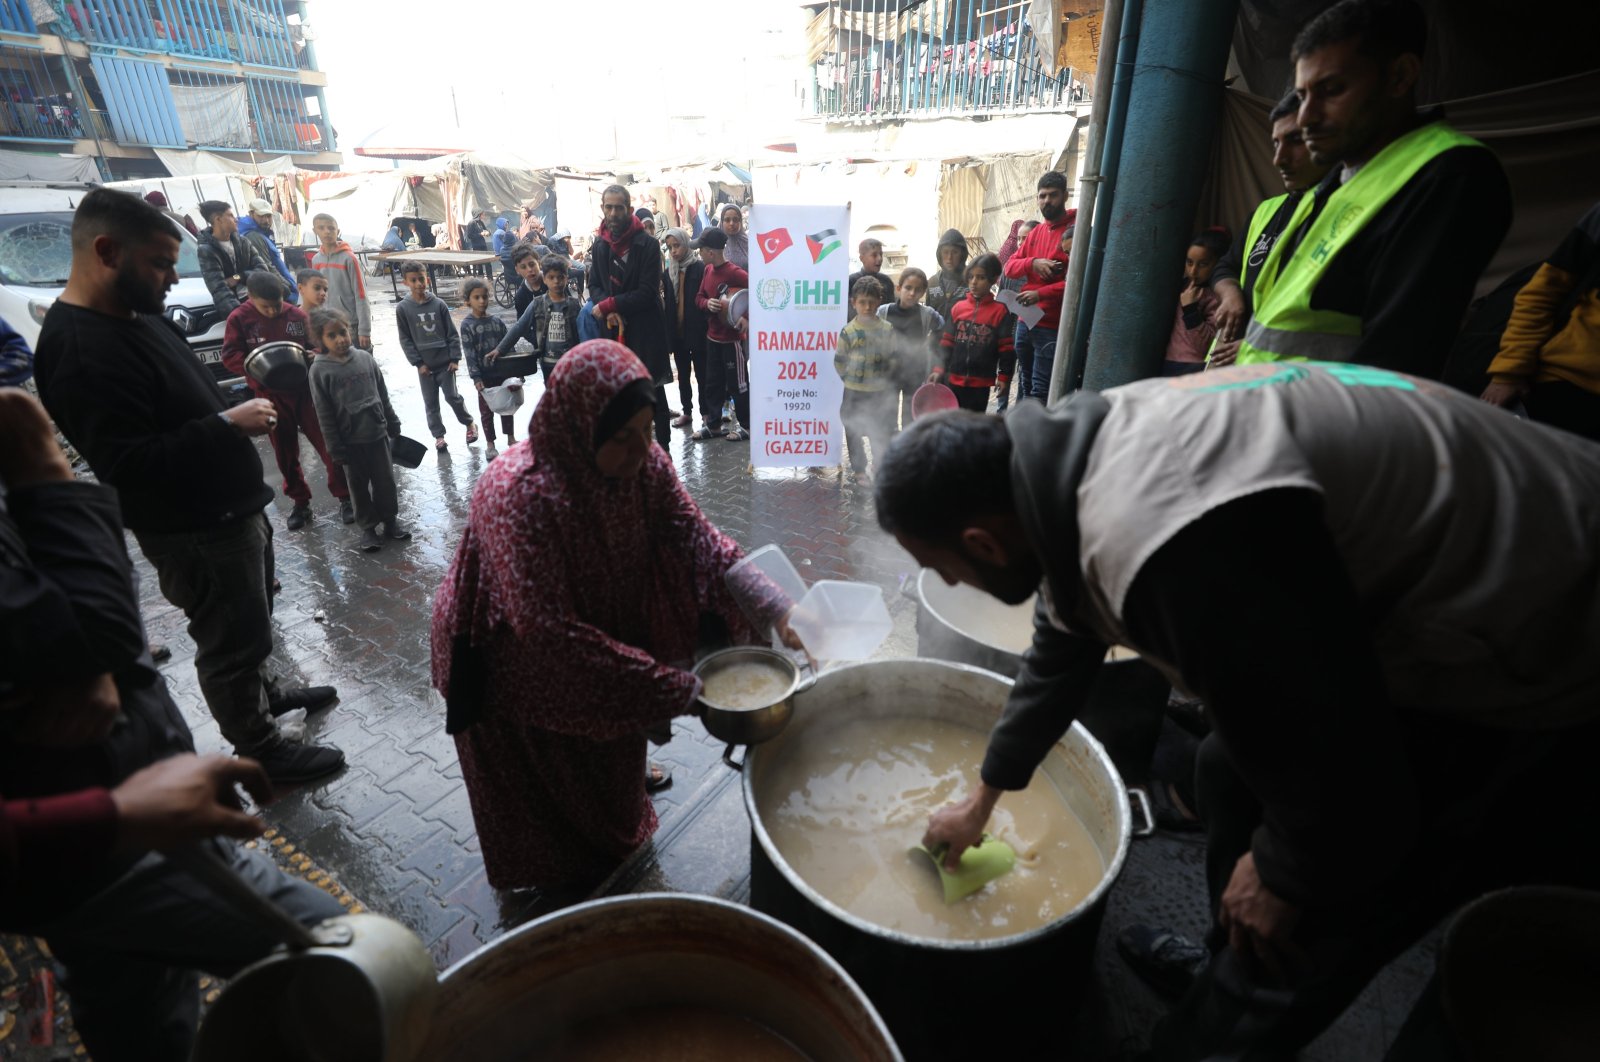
[[748, 580], [842, 621]]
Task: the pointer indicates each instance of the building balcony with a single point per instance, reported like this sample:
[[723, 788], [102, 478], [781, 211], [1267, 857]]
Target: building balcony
[[888, 60], [255, 32]]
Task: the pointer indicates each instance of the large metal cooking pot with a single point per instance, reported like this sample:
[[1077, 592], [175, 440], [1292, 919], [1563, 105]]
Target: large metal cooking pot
[[749, 726], [280, 366], [1126, 703], [943, 999], [515, 997], [357, 988]]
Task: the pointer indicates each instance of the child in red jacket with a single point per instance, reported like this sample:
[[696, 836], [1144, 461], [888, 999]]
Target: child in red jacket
[[263, 318], [977, 352]]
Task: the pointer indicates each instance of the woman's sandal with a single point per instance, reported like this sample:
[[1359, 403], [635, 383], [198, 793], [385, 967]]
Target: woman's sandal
[[738, 435], [702, 434], [656, 778]]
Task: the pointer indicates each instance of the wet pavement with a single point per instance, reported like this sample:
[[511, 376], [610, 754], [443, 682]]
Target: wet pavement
[[395, 828]]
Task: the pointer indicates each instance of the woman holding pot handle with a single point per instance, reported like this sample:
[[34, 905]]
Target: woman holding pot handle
[[566, 626]]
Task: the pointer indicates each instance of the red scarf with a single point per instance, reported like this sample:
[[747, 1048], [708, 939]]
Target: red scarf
[[619, 244]]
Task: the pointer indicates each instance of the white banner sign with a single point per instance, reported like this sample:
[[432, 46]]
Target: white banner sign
[[799, 266]]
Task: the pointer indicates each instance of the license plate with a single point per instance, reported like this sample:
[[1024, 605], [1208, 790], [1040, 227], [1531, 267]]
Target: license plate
[[210, 356]]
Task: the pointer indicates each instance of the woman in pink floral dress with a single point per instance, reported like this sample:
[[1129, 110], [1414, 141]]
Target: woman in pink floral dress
[[568, 622]]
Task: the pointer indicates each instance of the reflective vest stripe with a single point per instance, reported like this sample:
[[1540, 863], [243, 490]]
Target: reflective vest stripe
[[1284, 324], [1283, 343]]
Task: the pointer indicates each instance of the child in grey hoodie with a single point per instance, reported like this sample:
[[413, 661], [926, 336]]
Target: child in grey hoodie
[[430, 341]]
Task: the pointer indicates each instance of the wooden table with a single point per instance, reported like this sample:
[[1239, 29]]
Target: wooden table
[[433, 258]]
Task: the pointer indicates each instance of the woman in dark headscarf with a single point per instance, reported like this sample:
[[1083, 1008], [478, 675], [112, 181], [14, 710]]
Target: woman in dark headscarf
[[568, 621], [1013, 240]]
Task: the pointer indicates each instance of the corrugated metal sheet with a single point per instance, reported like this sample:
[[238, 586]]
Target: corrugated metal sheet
[[139, 100]]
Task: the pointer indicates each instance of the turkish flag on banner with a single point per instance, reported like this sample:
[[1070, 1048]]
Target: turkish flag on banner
[[773, 243]]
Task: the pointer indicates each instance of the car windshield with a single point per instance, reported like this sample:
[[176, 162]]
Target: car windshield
[[36, 250]]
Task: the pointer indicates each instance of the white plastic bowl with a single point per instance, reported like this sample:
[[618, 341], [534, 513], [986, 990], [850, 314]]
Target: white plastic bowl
[[842, 621]]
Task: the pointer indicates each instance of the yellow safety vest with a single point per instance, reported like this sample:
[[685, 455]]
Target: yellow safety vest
[[1265, 211], [1283, 325]]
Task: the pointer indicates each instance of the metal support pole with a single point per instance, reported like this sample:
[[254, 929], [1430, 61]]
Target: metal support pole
[[1066, 371], [1173, 107]]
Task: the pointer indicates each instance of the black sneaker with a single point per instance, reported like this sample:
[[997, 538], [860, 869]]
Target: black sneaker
[[347, 510], [299, 517], [371, 541], [311, 698], [1166, 960], [290, 762], [398, 531]]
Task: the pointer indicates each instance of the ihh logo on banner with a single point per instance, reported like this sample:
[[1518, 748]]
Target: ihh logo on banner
[[819, 293], [773, 294]]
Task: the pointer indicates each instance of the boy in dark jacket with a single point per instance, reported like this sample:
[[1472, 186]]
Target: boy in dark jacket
[[263, 318], [525, 259], [353, 402], [917, 332], [870, 252], [550, 322], [428, 337], [686, 322], [977, 350], [949, 284], [226, 258]]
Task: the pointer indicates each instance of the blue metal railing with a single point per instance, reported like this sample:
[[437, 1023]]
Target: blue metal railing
[[933, 58], [246, 31], [15, 16], [282, 121], [36, 98]]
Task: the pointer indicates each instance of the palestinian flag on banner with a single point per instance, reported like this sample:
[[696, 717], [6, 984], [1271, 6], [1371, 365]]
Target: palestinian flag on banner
[[822, 244]]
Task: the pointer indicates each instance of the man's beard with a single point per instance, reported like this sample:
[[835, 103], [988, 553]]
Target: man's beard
[[1014, 583], [1052, 211], [136, 294]]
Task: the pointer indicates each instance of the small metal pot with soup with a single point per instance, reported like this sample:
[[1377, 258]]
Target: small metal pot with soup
[[747, 695]]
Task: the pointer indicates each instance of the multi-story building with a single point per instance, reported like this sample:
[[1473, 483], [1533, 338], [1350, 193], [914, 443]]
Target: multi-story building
[[127, 81]]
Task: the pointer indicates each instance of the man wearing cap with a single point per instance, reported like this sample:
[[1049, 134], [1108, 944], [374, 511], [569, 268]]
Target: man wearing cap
[[256, 229], [731, 219]]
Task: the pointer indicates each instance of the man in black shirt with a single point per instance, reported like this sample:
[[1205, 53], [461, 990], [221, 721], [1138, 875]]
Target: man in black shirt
[[1402, 266], [125, 388]]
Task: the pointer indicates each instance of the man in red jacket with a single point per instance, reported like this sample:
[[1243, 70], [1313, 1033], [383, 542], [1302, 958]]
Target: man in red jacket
[[263, 318], [1042, 263]]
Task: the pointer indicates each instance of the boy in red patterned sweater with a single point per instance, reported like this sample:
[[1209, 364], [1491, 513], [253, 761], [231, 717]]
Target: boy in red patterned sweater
[[977, 352]]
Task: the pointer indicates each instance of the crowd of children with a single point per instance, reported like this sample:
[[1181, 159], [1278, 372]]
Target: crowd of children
[[902, 334]]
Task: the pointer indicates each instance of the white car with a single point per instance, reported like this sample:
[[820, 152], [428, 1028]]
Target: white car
[[36, 255]]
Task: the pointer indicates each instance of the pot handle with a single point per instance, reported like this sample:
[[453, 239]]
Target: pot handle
[[1139, 800], [727, 757]]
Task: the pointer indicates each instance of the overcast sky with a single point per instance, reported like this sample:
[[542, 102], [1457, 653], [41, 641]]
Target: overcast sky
[[530, 73]]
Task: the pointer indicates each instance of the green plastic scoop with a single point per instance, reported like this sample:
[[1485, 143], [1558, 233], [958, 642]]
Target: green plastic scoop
[[980, 864]]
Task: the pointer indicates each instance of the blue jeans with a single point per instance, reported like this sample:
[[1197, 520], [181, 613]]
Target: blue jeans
[[1037, 345], [1024, 373]]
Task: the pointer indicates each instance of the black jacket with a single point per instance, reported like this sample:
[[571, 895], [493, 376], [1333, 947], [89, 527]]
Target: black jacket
[[138, 404], [216, 269], [691, 338], [68, 610], [637, 290]]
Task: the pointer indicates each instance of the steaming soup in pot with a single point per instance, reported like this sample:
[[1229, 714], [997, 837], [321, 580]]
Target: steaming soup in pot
[[846, 805]]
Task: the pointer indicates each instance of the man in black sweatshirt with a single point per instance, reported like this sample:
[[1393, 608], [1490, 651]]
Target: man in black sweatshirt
[[125, 388]]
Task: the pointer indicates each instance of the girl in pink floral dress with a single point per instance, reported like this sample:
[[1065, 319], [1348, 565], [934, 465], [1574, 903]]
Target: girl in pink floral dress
[[568, 622]]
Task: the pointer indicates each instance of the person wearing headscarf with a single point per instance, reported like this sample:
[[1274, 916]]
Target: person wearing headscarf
[[1009, 247], [731, 219], [159, 200], [567, 623], [681, 273]]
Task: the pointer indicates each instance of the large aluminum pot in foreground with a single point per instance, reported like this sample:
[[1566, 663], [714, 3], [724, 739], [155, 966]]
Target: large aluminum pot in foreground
[[944, 998], [604, 964]]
